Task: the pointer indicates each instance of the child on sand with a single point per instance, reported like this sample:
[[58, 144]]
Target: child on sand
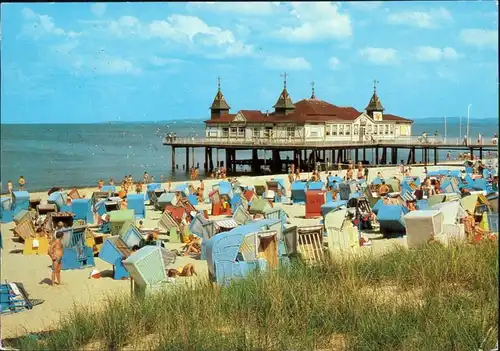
[[56, 253]]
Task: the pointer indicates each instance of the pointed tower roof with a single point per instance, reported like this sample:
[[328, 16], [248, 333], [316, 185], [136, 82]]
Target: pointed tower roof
[[375, 104], [313, 97], [284, 101], [220, 102]]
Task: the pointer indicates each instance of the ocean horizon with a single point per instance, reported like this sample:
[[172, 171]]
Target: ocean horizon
[[78, 155]]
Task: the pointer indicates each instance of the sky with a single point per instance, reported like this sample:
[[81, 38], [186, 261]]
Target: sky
[[100, 62]]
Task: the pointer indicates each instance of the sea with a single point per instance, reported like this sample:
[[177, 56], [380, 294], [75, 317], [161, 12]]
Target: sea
[[78, 155]]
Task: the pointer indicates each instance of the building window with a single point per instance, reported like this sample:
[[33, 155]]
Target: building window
[[347, 130], [356, 127], [386, 129], [256, 133], [241, 131], [341, 129], [391, 129], [225, 132], [334, 129], [290, 132], [233, 132], [375, 129], [267, 132], [368, 128]]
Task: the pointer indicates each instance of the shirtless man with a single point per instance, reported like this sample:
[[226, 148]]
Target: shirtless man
[[56, 253]]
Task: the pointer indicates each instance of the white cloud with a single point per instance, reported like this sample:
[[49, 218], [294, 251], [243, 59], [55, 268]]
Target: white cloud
[[334, 63], [430, 19], [429, 53], [316, 21], [98, 9], [380, 56], [480, 37], [287, 63], [447, 74], [38, 25], [242, 8], [160, 61], [182, 29], [365, 5], [115, 65]]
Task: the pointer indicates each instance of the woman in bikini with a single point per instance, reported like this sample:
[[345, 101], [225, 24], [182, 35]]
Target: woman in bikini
[[56, 253]]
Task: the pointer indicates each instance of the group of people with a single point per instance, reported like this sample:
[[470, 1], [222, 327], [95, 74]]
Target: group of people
[[10, 186]]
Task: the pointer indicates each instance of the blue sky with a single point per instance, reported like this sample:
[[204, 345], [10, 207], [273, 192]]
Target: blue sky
[[83, 62]]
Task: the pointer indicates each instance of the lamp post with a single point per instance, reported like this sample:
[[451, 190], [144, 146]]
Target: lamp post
[[445, 129], [460, 139], [468, 131]]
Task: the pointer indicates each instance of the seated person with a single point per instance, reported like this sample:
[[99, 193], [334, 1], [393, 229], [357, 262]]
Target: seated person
[[193, 247], [411, 205], [419, 193], [150, 240], [224, 203], [383, 189]]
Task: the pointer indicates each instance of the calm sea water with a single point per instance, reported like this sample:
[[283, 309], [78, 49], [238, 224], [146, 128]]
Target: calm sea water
[[79, 154]]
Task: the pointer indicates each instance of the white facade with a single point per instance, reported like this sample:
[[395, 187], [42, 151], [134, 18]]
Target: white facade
[[363, 128]]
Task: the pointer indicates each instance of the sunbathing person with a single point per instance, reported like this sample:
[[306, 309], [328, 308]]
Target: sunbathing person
[[187, 271], [193, 247]]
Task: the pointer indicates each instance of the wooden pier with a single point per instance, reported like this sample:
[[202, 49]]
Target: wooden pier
[[307, 153]]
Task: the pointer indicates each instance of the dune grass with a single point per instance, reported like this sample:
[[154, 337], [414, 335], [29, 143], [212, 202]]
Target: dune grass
[[433, 298]]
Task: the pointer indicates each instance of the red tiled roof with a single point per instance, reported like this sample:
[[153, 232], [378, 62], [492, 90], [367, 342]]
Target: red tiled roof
[[306, 111], [390, 117]]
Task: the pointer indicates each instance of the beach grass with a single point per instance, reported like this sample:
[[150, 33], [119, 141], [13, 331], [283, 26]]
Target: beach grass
[[431, 298]]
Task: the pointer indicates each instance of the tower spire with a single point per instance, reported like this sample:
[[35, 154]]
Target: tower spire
[[220, 106], [375, 86], [312, 95], [284, 81]]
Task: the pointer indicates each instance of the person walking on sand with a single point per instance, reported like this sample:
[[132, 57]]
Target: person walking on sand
[[56, 253], [22, 182]]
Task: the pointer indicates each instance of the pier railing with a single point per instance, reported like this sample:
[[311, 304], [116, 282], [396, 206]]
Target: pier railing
[[413, 140]]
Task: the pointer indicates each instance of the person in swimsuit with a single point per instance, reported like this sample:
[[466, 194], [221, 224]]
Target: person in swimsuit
[[22, 182], [56, 253], [10, 187]]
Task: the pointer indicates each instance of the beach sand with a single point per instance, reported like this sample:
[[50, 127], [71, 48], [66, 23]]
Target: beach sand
[[34, 271]]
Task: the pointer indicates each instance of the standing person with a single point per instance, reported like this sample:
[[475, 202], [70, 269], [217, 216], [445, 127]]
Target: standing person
[[448, 156], [10, 187], [138, 188], [169, 183], [56, 253], [112, 182], [22, 182], [465, 140], [100, 184], [162, 178], [146, 177]]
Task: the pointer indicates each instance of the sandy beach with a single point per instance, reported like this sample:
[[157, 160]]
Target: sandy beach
[[34, 271]]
